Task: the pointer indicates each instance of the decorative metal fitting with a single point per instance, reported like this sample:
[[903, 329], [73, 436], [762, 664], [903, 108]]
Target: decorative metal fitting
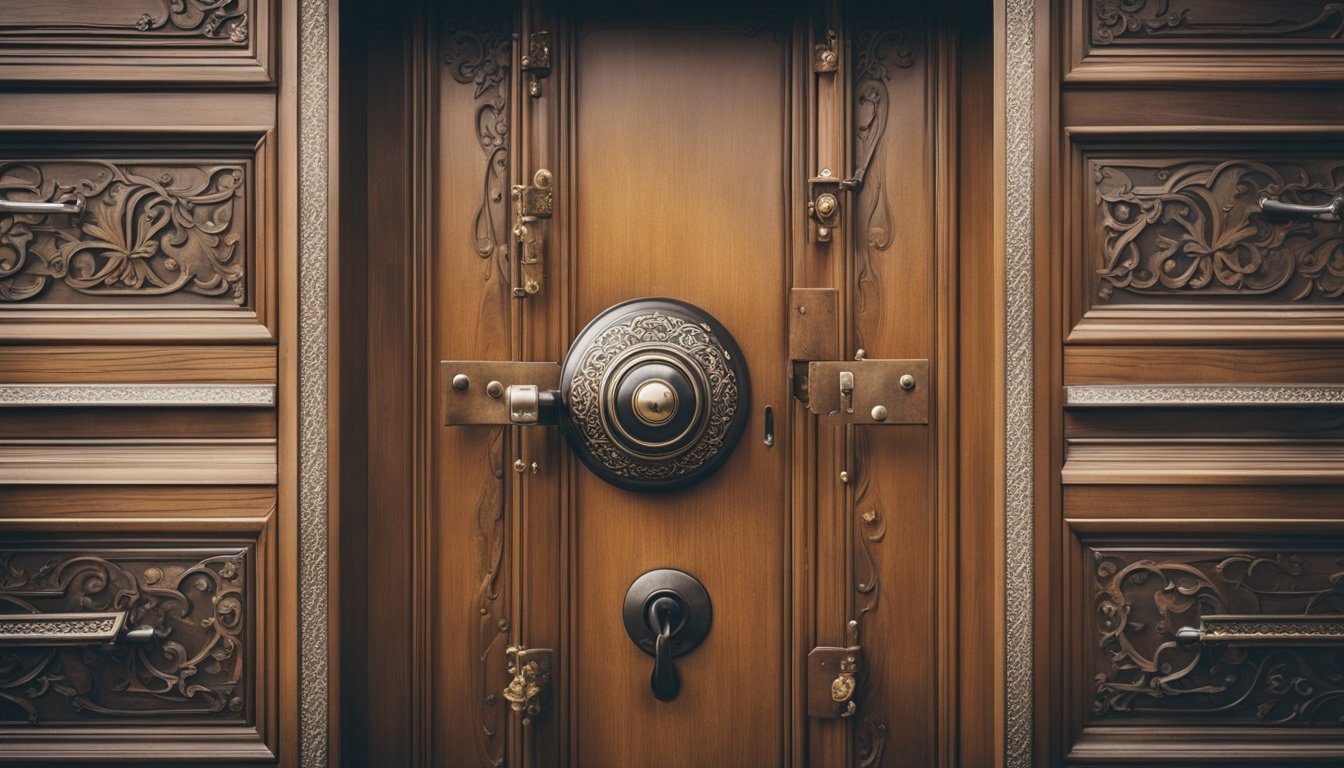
[[826, 58], [531, 671]]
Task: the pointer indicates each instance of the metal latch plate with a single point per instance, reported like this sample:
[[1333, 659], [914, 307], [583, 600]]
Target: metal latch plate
[[832, 681], [477, 391], [870, 391], [813, 323]]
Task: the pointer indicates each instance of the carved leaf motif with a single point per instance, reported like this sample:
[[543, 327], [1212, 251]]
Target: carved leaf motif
[[194, 666], [1195, 228], [1214, 19], [146, 231], [1141, 667]]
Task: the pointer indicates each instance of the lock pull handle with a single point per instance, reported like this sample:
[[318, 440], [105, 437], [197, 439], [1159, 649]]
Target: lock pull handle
[[666, 614]]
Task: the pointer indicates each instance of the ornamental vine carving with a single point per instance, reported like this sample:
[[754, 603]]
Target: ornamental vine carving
[[1142, 599], [1114, 19], [1194, 228], [212, 20], [146, 232], [194, 665]]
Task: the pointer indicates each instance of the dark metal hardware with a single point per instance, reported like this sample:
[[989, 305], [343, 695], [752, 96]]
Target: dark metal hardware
[[503, 392], [832, 681], [865, 391], [667, 614], [769, 427], [826, 58], [1331, 211], [537, 62]]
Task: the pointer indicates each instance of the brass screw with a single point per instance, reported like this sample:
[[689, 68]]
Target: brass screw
[[802, 310], [494, 389], [844, 476], [519, 466], [826, 204], [907, 382], [461, 382], [879, 413]]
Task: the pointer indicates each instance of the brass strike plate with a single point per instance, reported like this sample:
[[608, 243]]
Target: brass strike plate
[[870, 391], [813, 324], [832, 681], [476, 391]]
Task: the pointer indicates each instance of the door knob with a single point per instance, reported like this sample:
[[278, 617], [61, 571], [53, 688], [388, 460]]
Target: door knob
[[667, 614]]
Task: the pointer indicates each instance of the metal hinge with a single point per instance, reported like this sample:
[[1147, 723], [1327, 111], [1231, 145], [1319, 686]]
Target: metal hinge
[[833, 681], [860, 391], [537, 61], [530, 680], [531, 203]]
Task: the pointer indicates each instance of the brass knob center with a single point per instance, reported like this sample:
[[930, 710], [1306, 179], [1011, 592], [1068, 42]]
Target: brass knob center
[[655, 402]]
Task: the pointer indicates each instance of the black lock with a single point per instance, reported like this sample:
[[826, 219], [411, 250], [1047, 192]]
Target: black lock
[[668, 614]]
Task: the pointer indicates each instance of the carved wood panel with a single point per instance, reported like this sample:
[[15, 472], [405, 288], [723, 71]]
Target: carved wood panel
[[154, 232], [195, 668], [1211, 22], [141, 40], [1142, 672]]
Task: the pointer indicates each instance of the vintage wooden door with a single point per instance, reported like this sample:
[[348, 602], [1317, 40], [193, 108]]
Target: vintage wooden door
[[768, 194]]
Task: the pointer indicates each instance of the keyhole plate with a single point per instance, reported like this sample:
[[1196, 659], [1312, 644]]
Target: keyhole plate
[[698, 613]]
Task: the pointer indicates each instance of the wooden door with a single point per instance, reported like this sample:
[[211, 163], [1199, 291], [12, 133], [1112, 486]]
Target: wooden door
[[682, 153], [1197, 505]]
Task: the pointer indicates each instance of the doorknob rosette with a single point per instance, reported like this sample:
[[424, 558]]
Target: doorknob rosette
[[657, 394]]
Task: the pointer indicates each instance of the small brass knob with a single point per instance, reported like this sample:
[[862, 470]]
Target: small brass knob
[[655, 402], [879, 413], [461, 382], [907, 382], [826, 204], [494, 389]]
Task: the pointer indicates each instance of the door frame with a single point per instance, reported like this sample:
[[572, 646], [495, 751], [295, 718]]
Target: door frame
[[329, 453]]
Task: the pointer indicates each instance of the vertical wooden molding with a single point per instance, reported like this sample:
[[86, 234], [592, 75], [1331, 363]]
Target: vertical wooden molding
[[1019, 231], [313, 121]]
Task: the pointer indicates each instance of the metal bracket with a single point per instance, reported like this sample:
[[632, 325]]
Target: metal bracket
[[865, 391], [537, 62], [823, 205], [833, 681], [530, 678], [503, 392], [531, 203]]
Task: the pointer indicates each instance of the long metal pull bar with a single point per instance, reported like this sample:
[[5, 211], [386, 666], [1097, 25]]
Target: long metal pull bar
[[32, 206], [1330, 211], [53, 629], [1303, 629]]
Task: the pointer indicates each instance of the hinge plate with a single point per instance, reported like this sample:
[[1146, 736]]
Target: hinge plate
[[867, 391], [832, 681], [480, 391], [813, 324]]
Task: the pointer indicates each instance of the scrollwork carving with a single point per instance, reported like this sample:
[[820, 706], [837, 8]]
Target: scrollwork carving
[[1142, 599], [193, 666], [1195, 228], [147, 231], [211, 20], [1114, 19]]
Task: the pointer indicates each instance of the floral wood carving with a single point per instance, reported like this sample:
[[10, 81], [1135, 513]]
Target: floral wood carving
[[1312, 21], [1141, 599], [1194, 228], [193, 667], [147, 231], [211, 20], [478, 51]]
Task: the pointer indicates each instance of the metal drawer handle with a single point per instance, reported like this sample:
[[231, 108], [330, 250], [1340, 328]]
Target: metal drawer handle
[[1330, 211], [48, 629], [26, 206], [1266, 630]]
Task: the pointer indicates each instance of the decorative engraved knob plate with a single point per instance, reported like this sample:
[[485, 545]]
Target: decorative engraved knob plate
[[656, 394]]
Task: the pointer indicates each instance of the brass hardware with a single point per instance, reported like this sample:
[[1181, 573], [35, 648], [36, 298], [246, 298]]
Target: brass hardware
[[531, 679], [537, 62], [833, 681], [531, 203], [826, 58], [461, 382], [519, 466], [844, 476], [517, 392], [1266, 630], [824, 207], [868, 391], [814, 324], [655, 402]]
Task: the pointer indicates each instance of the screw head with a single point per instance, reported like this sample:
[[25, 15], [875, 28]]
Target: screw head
[[494, 389], [461, 382], [907, 382], [879, 413]]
